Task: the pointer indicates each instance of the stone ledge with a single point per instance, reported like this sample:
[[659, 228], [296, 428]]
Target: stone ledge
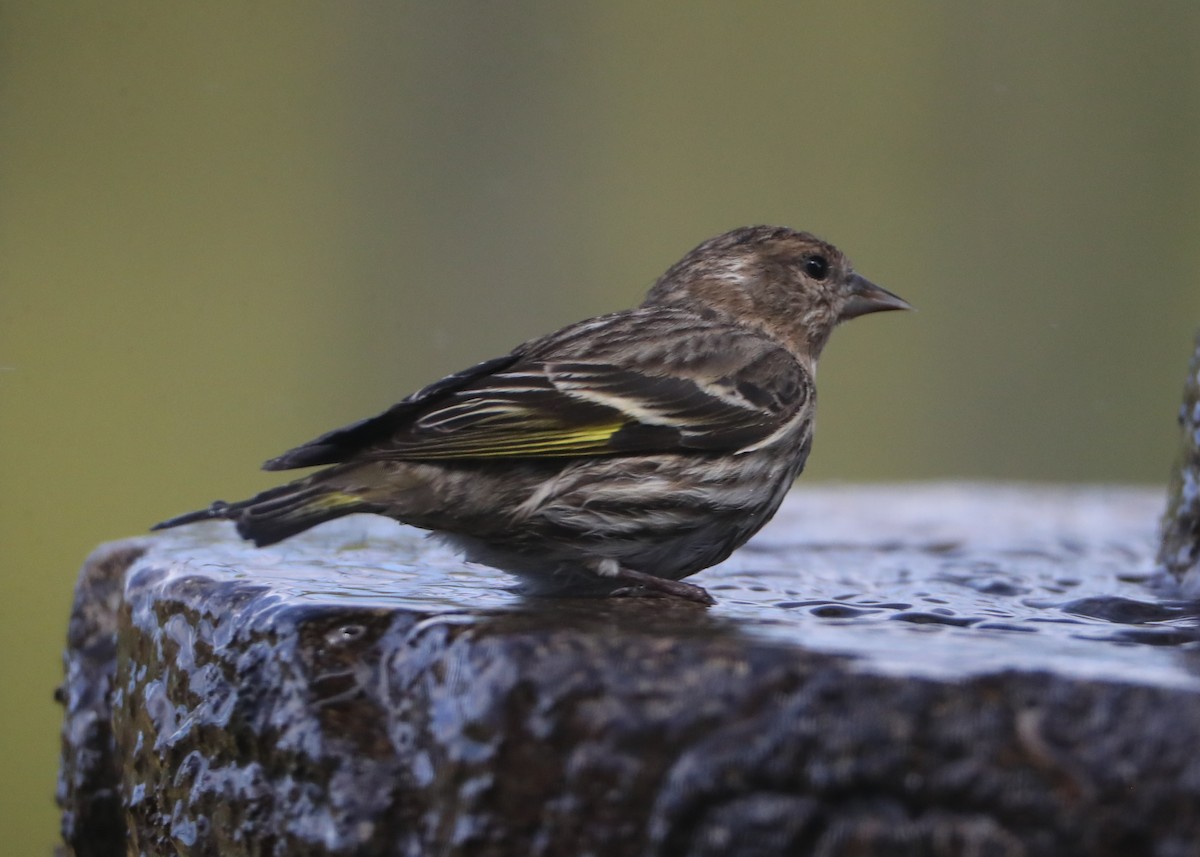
[[917, 669]]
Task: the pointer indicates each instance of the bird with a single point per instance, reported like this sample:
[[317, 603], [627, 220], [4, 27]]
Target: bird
[[615, 456]]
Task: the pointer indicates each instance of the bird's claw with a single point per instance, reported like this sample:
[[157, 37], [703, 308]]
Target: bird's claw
[[647, 585]]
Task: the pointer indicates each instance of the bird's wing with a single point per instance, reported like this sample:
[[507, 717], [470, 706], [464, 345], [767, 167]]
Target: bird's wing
[[695, 390], [559, 408], [338, 445]]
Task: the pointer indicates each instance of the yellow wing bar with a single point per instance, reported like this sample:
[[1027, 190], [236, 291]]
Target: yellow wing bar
[[568, 441]]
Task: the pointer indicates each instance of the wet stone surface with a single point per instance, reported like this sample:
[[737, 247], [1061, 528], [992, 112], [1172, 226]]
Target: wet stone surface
[[1180, 551], [916, 669]]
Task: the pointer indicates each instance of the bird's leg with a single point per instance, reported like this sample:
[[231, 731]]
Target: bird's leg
[[651, 585]]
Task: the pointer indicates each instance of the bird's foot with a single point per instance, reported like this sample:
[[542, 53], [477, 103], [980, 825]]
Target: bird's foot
[[647, 585]]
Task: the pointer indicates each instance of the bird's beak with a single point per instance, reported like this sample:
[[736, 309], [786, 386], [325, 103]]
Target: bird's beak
[[867, 297]]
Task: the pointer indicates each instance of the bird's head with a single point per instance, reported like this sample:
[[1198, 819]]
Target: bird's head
[[790, 284]]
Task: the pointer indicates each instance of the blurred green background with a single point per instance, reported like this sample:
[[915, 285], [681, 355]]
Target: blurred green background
[[227, 227]]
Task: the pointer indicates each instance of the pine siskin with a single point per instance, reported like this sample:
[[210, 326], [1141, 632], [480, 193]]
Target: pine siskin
[[617, 455]]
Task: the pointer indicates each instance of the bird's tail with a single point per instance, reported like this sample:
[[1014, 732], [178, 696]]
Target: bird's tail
[[278, 513]]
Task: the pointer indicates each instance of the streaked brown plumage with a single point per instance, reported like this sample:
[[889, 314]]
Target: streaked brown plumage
[[623, 452]]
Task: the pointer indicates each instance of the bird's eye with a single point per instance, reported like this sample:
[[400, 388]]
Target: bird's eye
[[816, 267]]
